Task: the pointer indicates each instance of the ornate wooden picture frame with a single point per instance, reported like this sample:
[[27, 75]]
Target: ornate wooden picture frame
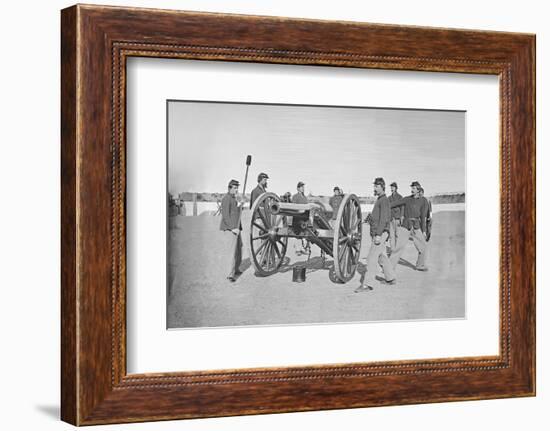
[[96, 41]]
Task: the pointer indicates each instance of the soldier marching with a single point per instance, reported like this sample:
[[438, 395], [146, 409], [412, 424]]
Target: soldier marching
[[379, 220], [415, 211]]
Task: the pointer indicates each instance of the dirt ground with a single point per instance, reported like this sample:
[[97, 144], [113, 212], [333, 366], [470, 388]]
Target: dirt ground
[[200, 296]]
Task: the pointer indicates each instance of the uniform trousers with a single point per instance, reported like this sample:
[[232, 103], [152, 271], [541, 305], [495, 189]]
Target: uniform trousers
[[231, 248], [402, 239], [394, 224], [377, 257]]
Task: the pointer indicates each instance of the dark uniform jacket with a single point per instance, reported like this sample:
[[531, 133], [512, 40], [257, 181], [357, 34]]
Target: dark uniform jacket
[[396, 212], [428, 207], [415, 212], [256, 194], [380, 216], [335, 202], [299, 198], [230, 213]]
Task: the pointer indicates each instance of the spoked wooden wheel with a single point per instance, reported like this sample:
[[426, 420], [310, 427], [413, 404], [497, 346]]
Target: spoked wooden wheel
[[347, 238], [267, 245]]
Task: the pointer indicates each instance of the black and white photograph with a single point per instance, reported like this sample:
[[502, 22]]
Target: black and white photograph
[[305, 214]]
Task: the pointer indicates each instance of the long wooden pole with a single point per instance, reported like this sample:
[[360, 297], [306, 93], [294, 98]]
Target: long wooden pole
[[248, 163]]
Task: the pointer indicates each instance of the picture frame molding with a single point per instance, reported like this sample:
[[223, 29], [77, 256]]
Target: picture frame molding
[[96, 41]]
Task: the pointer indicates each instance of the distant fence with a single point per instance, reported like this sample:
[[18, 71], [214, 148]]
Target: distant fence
[[212, 208]]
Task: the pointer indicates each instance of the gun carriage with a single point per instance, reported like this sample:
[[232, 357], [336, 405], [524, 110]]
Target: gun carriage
[[273, 222]]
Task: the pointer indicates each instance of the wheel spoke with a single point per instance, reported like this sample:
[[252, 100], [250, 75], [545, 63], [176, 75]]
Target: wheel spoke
[[353, 253], [342, 253], [263, 260], [260, 248], [356, 221], [263, 229], [346, 217], [262, 236], [271, 255], [343, 230], [342, 240], [277, 250], [264, 218], [351, 216], [355, 217], [268, 213], [344, 265], [349, 263]]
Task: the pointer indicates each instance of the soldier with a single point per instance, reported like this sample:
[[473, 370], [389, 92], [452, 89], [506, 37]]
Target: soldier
[[300, 197], [260, 188], [413, 227], [379, 220], [335, 202], [287, 197], [300, 247], [231, 227], [396, 215], [429, 218]]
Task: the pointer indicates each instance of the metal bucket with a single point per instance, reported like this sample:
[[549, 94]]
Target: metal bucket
[[299, 274]]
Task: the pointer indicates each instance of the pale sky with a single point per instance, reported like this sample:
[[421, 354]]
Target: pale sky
[[321, 146]]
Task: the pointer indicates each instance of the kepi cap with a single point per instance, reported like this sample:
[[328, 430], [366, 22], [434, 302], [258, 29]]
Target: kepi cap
[[300, 184], [261, 176], [379, 181], [394, 184], [233, 183], [336, 188], [415, 184]]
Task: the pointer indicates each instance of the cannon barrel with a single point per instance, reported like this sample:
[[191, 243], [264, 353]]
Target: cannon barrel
[[291, 209]]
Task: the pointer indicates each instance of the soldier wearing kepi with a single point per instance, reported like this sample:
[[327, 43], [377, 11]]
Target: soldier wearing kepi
[[413, 227], [429, 219], [396, 215], [230, 225], [379, 220], [335, 202], [260, 188], [300, 197]]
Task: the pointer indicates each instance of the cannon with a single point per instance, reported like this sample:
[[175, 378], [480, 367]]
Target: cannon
[[273, 222]]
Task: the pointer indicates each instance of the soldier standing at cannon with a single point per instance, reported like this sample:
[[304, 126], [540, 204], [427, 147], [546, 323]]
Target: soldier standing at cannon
[[230, 226], [286, 197], [300, 197], [428, 215], [414, 227], [396, 215], [335, 202], [379, 220], [260, 188], [300, 247]]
